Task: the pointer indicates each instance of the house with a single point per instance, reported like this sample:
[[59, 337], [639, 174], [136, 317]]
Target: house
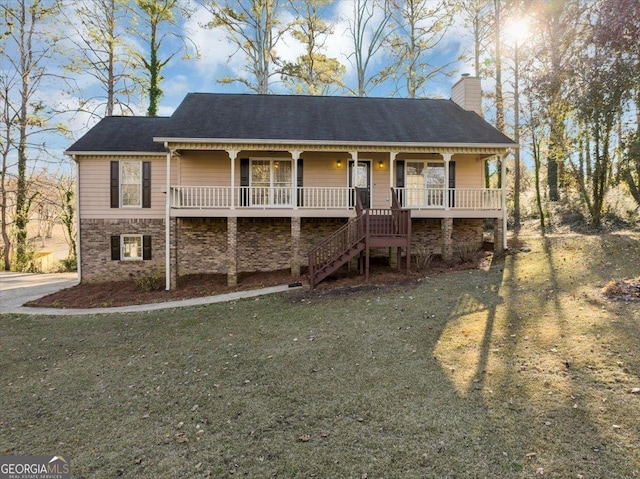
[[233, 183]]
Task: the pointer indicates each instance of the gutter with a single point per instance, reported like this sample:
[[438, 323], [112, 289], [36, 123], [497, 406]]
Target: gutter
[[391, 145]]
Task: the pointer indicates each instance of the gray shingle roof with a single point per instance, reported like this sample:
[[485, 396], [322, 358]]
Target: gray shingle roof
[[281, 118], [121, 134], [327, 118]]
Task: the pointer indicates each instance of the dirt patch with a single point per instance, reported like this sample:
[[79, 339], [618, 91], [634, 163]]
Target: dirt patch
[[124, 293], [625, 290]]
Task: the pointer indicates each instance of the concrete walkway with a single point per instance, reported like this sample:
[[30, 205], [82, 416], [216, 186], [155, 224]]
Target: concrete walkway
[[19, 288]]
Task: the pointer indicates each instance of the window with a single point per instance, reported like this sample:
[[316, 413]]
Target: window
[[131, 184], [424, 183], [130, 247], [271, 182]]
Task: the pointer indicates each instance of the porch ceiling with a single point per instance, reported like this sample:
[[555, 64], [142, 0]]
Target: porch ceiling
[[193, 144]]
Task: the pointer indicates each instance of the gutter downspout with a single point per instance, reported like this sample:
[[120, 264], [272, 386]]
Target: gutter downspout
[[503, 172], [77, 238], [167, 228]]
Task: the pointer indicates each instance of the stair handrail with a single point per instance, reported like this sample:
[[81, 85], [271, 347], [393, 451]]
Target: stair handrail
[[335, 245], [395, 204], [358, 201]]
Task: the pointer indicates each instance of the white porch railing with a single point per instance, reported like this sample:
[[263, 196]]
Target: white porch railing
[[247, 197], [201, 197], [454, 198]]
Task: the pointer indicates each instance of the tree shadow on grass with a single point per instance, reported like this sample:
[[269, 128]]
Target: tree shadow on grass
[[460, 375]]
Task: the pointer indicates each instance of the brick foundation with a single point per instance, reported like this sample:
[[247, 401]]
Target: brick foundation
[[426, 234], [498, 235], [202, 243], [235, 245], [95, 243], [468, 231], [264, 244]]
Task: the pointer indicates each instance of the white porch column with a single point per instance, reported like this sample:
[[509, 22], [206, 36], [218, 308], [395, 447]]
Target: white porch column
[[350, 177], [354, 157], [504, 200], [233, 154], [392, 162], [295, 156], [167, 225], [447, 159]]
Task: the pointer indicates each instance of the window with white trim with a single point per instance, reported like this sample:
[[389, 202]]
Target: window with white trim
[[131, 247], [271, 182], [131, 184], [424, 181]]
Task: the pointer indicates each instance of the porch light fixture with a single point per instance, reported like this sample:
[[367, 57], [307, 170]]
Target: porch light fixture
[[339, 163], [381, 164]]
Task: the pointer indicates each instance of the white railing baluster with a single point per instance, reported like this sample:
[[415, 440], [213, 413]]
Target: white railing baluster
[[195, 197]]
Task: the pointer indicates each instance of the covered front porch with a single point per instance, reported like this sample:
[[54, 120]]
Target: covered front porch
[[215, 198], [247, 180], [290, 189]]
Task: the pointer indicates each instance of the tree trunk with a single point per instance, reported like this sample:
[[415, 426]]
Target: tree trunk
[[22, 204], [3, 219], [500, 123], [154, 74]]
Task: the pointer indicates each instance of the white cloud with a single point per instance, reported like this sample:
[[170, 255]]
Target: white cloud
[[217, 52]]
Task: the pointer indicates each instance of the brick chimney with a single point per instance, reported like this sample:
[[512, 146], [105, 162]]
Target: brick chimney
[[467, 93]]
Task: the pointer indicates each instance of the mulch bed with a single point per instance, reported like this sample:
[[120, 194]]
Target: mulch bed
[[124, 293]]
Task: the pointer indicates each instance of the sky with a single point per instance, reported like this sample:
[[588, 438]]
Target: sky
[[218, 58]]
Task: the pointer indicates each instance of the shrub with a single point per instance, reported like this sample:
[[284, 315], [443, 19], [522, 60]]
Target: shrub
[[149, 282], [423, 256], [467, 252], [68, 265]]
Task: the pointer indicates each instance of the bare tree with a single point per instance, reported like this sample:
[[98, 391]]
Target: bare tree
[[97, 34], [313, 72], [367, 29], [25, 51], [476, 15], [419, 29], [7, 195], [155, 22], [254, 28]]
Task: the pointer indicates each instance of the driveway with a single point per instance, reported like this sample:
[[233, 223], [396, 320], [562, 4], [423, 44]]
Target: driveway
[[19, 288]]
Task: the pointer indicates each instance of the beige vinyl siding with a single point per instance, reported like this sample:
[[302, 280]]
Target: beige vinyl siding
[[469, 171], [322, 170], [95, 182], [467, 93], [204, 168]]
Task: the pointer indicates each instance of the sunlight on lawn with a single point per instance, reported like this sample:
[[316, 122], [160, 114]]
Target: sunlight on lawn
[[529, 343], [460, 346]]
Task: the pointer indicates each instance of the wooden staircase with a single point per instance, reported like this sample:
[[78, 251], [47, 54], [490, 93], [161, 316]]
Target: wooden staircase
[[371, 228]]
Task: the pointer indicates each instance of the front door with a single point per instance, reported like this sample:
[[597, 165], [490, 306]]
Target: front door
[[360, 177]]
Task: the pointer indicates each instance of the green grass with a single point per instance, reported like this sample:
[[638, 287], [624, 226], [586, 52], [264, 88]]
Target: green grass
[[521, 369]]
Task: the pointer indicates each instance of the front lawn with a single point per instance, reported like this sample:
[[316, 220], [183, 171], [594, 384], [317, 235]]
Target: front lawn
[[521, 369]]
